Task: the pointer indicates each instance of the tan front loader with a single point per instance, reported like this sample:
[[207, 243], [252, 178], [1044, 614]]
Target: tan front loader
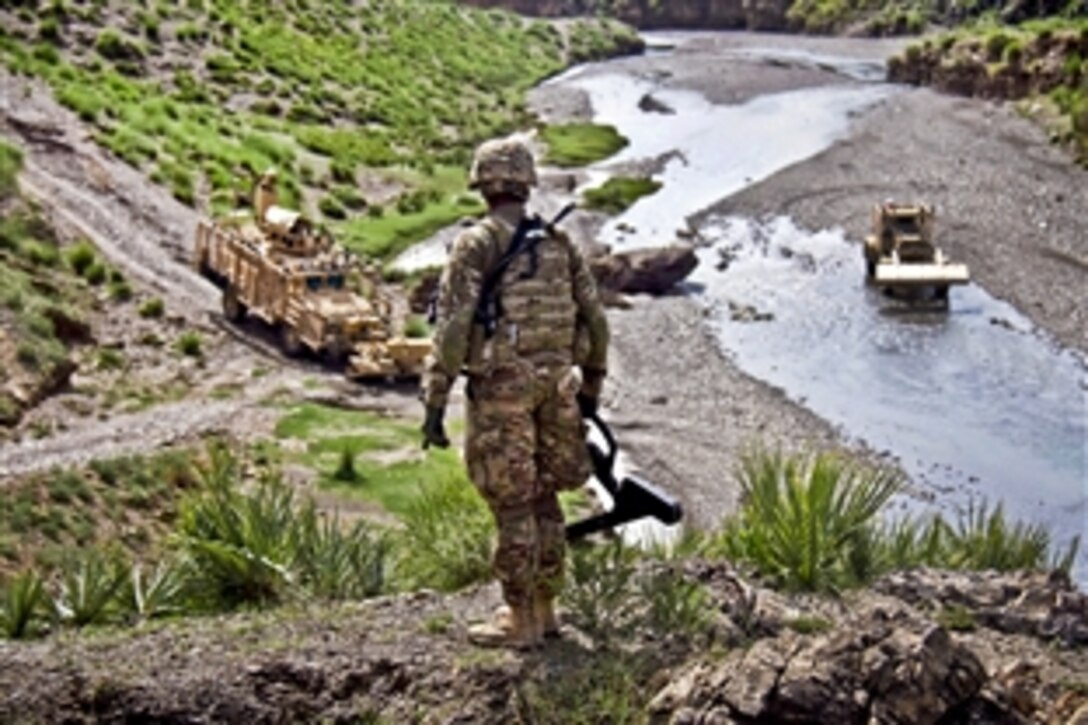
[[900, 254]]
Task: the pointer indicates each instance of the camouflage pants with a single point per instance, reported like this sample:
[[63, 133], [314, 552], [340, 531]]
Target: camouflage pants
[[525, 442]]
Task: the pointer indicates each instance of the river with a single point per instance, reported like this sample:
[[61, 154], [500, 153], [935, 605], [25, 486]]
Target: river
[[975, 403]]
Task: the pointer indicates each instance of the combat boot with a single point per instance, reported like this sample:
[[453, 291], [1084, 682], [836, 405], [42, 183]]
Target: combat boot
[[513, 627], [546, 619]]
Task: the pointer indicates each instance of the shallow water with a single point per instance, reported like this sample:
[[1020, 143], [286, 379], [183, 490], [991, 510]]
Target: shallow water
[[713, 151], [972, 402]]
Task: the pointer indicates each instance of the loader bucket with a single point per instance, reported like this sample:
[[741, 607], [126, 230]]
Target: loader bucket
[[918, 275]]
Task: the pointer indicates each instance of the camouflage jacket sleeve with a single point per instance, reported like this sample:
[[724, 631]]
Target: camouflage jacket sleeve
[[591, 314], [458, 292]]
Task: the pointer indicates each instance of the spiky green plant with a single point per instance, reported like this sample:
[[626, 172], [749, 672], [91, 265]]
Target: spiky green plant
[[984, 539], [447, 539], [675, 606], [20, 604], [600, 591], [340, 563], [88, 588], [806, 521], [241, 546], [155, 592]]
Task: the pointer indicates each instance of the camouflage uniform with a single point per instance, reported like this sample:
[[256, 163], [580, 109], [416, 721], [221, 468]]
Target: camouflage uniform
[[525, 438]]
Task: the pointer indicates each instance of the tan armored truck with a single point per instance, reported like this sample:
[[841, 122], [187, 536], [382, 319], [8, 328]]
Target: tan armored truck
[[275, 266], [900, 254]]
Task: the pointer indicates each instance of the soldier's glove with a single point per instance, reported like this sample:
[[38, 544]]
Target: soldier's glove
[[589, 396], [434, 430]]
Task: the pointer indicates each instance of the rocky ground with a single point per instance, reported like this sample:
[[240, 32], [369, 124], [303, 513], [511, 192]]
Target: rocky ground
[[1011, 650]]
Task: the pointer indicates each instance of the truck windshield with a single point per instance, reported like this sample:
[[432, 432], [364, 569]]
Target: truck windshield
[[336, 281], [313, 283]]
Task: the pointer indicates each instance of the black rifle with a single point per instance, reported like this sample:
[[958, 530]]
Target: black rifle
[[633, 498], [529, 233]]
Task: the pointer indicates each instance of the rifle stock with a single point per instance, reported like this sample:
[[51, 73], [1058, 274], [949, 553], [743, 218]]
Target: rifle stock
[[633, 497]]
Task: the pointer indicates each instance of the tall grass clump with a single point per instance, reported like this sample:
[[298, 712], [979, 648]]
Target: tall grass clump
[[21, 602], [447, 539], [260, 547], [88, 588], [807, 522]]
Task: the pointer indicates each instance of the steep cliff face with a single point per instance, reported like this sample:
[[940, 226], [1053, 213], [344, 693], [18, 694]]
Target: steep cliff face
[[650, 14]]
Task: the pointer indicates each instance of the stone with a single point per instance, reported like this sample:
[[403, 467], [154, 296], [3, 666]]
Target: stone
[[645, 271]]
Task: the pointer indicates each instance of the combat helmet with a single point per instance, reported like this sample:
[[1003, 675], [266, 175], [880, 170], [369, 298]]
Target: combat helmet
[[503, 166]]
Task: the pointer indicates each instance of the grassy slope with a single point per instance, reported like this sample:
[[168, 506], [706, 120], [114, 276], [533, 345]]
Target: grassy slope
[[41, 293], [205, 95], [1049, 55]]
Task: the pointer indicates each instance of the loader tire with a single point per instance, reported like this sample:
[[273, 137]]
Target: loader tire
[[234, 310], [291, 342]]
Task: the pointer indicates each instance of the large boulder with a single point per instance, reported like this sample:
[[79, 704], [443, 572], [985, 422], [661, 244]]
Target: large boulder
[[645, 271]]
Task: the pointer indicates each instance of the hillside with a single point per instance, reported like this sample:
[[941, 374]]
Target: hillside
[[368, 111]]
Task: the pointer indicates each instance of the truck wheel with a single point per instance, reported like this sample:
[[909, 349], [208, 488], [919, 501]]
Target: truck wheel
[[870, 268], [942, 294], [292, 343], [233, 309]]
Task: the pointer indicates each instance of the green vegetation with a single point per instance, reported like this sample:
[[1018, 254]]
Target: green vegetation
[[190, 344], [812, 523], [956, 619], [34, 297], [389, 467], [11, 160], [619, 193], [152, 309], [1041, 61], [899, 17], [394, 87], [580, 144]]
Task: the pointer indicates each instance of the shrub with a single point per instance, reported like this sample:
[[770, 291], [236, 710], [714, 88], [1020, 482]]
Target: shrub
[[345, 470], [618, 194], [332, 208], [80, 257], [416, 327], [21, 600], [580, 144], [114, 46], [89, 584], [152, 309], [447, 539], [257, 547], [807, 522], [190, 344], [599, 593], [95, 274], [120, 290], [161, 592], [110, 359]]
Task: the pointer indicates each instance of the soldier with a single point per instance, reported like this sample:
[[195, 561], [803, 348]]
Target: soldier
[[528, 384]]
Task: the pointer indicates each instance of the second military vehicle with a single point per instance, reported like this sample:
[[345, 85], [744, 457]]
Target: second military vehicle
[[900, 254], [277, 267]]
